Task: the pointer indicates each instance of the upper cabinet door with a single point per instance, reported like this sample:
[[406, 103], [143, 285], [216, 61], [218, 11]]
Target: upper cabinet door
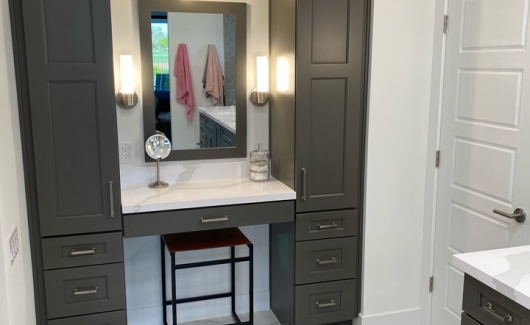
[[330, 96], [73, 112]]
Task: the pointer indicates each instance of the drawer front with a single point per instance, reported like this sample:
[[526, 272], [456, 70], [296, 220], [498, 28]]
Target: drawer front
[[325, 303], [324, 225], [113, 318], [227, 136], [466, 320], [168, 222], [489, 307], [77, 251], [326, 260], [85, 290]]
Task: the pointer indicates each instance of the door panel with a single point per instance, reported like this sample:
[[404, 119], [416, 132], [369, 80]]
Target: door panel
[[485, 140], [329, 102], [73, 110]]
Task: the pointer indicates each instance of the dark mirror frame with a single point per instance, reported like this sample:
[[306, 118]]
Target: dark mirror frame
[[145, 7]]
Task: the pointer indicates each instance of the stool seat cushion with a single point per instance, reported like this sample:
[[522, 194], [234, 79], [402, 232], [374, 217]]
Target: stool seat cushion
[[207, 239]]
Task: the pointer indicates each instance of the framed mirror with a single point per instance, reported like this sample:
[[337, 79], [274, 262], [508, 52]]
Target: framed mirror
[[194, 79]]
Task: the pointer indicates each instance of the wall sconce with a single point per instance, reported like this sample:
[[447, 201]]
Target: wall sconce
[[260, 95], [126, 98]]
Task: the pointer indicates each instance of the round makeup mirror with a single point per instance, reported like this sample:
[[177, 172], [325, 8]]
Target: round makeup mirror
[[158, 147]]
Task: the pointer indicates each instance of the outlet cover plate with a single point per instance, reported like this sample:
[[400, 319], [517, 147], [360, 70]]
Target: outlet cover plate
[[14, 245], [125, 153]]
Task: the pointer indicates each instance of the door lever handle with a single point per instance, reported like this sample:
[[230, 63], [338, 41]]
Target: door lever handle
[[519, 214]]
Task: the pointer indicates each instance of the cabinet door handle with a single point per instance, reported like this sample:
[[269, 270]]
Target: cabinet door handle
[[333, 260], [88, 251], [304, 184], [82, 292], [328, 226], [519, 214], [327, 304], [508, 319], [222, 219], [111, 195]]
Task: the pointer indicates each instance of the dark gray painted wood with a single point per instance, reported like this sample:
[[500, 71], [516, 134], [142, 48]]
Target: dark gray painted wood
[[341, 250], [145, 7], [466, 320], [112, 318], [322, 225], [343, 293], [330, 103], [177, 221], [477, 294], [61, 285], [71, 89], [63, 252]]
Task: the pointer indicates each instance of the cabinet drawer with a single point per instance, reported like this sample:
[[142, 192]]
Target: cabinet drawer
[[113, 318], [167, 222], [85, 290], [323, 225], [326, 260], [466, 320], [227, 136], [489, 307], [325, 303], [82, 250]]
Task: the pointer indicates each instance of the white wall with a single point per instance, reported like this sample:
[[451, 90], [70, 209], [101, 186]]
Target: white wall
[[16, 282], [197, 31], [402, 43]]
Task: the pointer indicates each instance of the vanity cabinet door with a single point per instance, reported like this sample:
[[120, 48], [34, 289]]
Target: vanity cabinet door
[[73, 112], [330, 73]]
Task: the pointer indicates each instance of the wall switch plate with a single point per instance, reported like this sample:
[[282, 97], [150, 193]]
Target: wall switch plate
[[125, 153], [14, 245]]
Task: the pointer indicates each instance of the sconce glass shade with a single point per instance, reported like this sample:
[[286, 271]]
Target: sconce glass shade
[[126, 98], [260, 96]]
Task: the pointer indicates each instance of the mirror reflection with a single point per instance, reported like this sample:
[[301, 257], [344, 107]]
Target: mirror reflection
[[194, 74]]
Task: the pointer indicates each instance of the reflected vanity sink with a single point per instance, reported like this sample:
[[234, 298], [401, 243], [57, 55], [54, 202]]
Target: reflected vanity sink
[[224, 115]]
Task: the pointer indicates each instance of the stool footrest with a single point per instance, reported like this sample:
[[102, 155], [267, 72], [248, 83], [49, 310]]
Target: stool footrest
[[211, 263], [200, 298]]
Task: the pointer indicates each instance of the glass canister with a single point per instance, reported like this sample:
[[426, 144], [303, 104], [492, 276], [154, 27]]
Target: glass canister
[[260, 165]]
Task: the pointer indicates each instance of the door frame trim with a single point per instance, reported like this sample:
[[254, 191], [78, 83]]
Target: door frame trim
[[433, 145]]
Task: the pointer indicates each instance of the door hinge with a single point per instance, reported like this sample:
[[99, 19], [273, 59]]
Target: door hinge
[[446, 23], [431, 284], [437, 159]]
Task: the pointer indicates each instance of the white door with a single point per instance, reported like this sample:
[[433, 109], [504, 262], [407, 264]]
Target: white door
[[485, 140]]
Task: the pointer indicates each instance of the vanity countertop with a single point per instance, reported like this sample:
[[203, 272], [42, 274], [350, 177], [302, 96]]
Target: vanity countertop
[[224, 115], [504, 270]]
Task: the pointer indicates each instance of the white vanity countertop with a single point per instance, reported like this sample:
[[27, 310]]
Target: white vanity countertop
[[224, 115], [190, 189], [505, 270]]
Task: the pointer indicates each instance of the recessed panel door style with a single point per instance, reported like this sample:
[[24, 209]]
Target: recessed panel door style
[[485, 141], [73, 111], [329, 102]]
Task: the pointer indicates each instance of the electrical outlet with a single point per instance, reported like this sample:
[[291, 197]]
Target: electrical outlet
[[125, 153], [14, 245]]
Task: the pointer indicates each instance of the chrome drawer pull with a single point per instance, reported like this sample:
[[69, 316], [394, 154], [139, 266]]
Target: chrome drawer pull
[[508, 319], [328, 304], [304, 184], [222, 219], [331, 261], [90, 251], [330, 226], [111, 196], [79, 292]]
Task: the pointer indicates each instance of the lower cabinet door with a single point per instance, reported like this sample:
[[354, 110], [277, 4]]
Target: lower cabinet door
[[466, 320], [325, 303], [85, 290], [114, 318]]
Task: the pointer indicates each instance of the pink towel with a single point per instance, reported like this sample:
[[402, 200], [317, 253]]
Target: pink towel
[[184, 81], [214, 76]]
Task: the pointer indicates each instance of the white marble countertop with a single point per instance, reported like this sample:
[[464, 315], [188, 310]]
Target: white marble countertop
[[224, 115], [505, 270]]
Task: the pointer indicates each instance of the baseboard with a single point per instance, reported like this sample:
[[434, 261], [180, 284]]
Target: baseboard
[[402, 317]]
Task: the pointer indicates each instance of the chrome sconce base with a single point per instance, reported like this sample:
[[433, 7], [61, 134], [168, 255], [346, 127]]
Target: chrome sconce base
[[259, 98], [126, 101]]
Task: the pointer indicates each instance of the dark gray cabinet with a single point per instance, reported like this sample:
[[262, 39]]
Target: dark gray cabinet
[[214, 135]]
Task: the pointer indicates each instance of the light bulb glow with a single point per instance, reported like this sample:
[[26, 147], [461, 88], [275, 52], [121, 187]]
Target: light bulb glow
[[262, 74], [126, 74], [283, 74]]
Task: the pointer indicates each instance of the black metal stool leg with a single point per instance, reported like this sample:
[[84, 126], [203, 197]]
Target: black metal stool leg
[[233, 279], [163, 262], [251, 283], [173, 289]]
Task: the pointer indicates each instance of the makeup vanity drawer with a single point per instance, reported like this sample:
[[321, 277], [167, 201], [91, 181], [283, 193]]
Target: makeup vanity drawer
[[113, 318], [322, 225], [85, 290], [78, 251], [177, 221], [490, 307], [325, 303]]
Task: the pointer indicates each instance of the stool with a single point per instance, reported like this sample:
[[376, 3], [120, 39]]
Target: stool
[[200, 240]]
